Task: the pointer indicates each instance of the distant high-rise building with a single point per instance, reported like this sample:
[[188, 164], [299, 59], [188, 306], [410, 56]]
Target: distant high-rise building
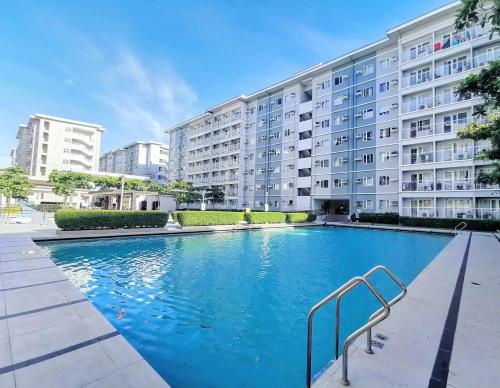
[[146, 158], [46, 143]]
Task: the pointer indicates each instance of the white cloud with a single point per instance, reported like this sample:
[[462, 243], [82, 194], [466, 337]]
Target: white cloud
[[145, 99], [69, 82]]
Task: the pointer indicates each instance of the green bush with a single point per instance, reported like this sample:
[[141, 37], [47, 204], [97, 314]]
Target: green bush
[[380, 218], [265, 217], [174, 216], [109, 219], [206, 218], [293, 218], [450, 223]]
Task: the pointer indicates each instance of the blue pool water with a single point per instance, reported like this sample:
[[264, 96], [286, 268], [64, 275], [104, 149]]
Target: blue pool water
[[230, 309]]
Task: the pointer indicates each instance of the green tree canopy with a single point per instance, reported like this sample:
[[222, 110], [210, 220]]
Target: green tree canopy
[[65, 183], [182, 192], [486, 85], [14, 183], [107, 182], [215, 195]]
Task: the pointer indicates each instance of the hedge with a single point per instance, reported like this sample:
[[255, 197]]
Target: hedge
[[293, 218], [450, 223], [379, 218], [207, 217], [109, 219], [265, 217]]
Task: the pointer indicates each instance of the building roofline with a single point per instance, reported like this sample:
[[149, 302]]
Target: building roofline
[[310, 71], [55, 118], [161, 144]]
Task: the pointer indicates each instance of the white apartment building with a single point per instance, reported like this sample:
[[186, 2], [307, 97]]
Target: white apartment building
[[145, 158], [46, 143], [371, 131]]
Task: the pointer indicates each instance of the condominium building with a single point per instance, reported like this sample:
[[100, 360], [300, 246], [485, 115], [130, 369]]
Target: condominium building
[[371, 131], [145, 158], [46, 143]]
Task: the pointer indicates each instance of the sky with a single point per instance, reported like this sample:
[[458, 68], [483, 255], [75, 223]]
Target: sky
[[138, 67]]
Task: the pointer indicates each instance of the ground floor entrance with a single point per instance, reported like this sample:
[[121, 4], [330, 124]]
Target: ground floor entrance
[[338, 207]]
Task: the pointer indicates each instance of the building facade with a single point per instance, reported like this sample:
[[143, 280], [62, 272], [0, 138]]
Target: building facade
[[145, 158], [46, 143], [372, 131]]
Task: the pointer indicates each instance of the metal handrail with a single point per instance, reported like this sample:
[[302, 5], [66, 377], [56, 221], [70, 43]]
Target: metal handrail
[[348, 285], [460, 227], [391, 303], [396, 299]]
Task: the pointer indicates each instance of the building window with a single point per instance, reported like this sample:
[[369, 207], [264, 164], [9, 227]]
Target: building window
[[325, 123], [385, 63], [383, 180], [367, 113], [383, 204], [338, 161], [323, 183], [367, 181], [385, 156], [339, 182], [383, 110], [367, 158], [340, 140], [338, 80], [367, 136], [384, 87], [385, 132], [368, 69], [338, 100], [323, 163], [368, 91], [366, 204]]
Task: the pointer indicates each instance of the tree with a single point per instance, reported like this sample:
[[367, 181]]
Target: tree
[[215, 195], [486, 85], [14, 183], [181, 191], [67, 182], [137, 184], [107, 182]]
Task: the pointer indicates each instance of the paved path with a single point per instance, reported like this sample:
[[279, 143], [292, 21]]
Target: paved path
[[51, 336], [430, 342]]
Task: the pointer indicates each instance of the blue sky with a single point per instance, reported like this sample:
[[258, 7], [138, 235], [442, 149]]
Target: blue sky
[[137, 67]]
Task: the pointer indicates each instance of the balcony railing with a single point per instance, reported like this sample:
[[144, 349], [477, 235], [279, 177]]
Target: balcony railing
[[456, 212], [438, 128], [424, 157], [460, 154], [416, 105], [454, 185], [416, 79], [427, 185], [448, 98]]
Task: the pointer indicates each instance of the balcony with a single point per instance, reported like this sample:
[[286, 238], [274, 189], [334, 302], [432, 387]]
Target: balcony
[[418, 186], [437, 128], [416, 79], [454, 185], [418, 158], [465, 153], [449, 98], [417, 104], [455, 212]]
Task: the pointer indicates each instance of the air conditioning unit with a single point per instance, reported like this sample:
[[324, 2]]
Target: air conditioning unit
[[245, 157], [344, 118], [247, 126], [317, 124], [359, 72], [247, 141], [394, 180], [317, 183], [345, 97], [394, 58], [359, 93], [248, 111], [359, 180], [345, 160], [318, 105], [394, 154], [345, 76], [245, 172], [358, 159], [394, 203], [394, 82], [358, 115], [318, 144], [343, 181], [359, 136], [394, 129], [394, 105]]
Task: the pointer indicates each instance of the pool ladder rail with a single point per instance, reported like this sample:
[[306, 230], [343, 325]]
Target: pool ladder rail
[[460, 227], [377, 317]]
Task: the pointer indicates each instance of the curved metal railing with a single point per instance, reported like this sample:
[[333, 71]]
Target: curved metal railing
[[377, 317], [460, 227]]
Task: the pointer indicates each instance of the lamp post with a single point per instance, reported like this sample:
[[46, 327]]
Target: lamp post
[[203, 205], [121, 192], [266, 202]]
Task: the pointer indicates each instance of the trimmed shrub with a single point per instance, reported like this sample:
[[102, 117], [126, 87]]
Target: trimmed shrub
[[265, 217], [293, 218], [174, 216], [207, 217], [109, 219], [450, 223], [379, 218]]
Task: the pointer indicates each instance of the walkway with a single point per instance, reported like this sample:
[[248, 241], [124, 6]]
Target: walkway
[[51, 336], [445, 333]]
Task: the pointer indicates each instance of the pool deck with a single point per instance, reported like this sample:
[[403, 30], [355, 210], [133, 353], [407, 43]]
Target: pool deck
[[445, 333], [51, 336]]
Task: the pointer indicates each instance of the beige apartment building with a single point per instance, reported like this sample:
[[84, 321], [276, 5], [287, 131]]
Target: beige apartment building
[[46, 143]]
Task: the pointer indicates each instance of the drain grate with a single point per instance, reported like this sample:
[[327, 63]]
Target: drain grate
[[381, 337]]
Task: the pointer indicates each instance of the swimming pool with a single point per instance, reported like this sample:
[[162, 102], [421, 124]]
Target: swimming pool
[[230, 309]]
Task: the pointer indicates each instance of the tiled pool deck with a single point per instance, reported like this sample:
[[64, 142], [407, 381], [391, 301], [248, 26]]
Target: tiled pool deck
[[51, 336]]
